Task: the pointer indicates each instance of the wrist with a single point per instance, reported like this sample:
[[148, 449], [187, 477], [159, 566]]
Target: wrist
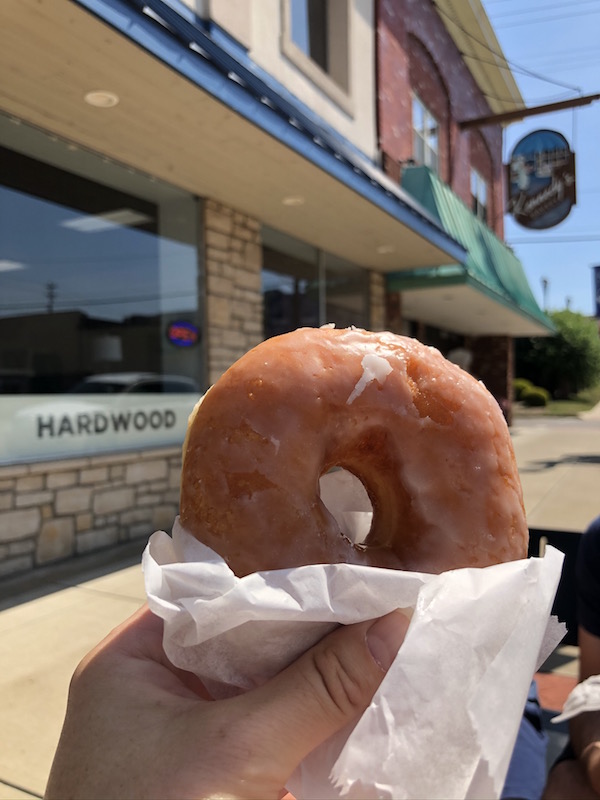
[[590, 759]]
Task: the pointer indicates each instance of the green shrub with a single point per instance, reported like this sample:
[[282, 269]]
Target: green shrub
[[535, 396], [520, 385], [565, 363]]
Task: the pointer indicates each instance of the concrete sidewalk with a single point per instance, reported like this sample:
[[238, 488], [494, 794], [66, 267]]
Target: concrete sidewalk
[[559, 465], [50, 621], [46, 628]]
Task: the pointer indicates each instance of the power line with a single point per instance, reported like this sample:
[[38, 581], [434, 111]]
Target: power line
[[567, 51], [568, 65], [544, 7], [585, 237], [542, 20], [521, 70], [565, 59], [76, 303], [542, 101], [501, 55], [540, 7]]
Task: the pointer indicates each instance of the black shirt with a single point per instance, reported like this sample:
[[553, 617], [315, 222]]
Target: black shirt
[[588, 579]]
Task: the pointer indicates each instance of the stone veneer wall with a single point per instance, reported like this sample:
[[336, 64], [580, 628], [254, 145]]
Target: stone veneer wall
[[50, 511], [377, 301], [234, 303]]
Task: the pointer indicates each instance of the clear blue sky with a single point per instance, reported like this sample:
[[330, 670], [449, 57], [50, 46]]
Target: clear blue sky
[[553, 51]]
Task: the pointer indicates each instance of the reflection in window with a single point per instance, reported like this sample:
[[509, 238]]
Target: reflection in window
[[309, 29], [303, 286], [290, 293], [346, 293], [90, 278], [479, 202], [425, 135]]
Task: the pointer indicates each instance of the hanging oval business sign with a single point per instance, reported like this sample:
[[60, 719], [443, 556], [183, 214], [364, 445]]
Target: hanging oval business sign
[[541, 180]]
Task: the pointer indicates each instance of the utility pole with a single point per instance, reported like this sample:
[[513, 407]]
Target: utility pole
[[545, 284], [50, 297]]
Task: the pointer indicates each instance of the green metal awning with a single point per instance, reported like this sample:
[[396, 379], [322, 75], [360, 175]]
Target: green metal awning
[[486, 295]]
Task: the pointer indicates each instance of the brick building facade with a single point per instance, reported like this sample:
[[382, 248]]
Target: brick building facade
[[416, 55]]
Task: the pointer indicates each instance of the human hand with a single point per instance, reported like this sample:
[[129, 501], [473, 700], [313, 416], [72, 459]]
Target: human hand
[[584, 730], [590, 759], [138, 727], [568, 780]]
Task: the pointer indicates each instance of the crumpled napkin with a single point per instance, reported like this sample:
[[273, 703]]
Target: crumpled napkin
[[583, 698], [444, 721]]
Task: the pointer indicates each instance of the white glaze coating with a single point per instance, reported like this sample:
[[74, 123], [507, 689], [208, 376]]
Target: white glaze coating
[[375, 368], [427, 441]]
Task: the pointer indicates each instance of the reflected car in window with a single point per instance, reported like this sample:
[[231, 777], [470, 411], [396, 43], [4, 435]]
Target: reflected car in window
[[135, 383]]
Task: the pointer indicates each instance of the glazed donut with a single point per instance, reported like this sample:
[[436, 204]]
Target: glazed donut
[[427, 441]]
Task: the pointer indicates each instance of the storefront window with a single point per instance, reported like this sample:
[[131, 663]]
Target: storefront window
[[99, 306], [304, 286], [346, 293]]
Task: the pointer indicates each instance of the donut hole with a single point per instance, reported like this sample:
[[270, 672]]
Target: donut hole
[[347, 500]]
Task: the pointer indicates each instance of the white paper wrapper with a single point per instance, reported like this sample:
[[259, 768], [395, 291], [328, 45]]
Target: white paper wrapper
[[444, 721]]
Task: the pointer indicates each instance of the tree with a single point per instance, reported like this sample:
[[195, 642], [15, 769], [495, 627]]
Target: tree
[[565, 363]]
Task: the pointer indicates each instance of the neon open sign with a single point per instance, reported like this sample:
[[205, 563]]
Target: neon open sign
[[183, 334]]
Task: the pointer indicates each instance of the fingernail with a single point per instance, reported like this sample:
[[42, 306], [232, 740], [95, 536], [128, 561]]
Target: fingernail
[[385, 636]]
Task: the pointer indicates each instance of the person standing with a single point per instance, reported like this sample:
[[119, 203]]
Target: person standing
[[576, 772]]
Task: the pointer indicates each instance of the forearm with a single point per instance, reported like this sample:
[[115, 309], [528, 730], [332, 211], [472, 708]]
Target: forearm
[[585, 738], [589, 654], [568, 780], [585, 728]]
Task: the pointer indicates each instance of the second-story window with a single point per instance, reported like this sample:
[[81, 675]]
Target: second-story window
[[316, 38], [310, 30], [479, 198], [425, 135]]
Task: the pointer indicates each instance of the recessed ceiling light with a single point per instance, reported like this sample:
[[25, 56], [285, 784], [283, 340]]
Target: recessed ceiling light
[[93, 223], [293, 200], [101, 99], [385, 249]]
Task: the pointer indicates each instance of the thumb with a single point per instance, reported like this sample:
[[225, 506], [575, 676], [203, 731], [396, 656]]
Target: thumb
[[591, 761], [327, 687]]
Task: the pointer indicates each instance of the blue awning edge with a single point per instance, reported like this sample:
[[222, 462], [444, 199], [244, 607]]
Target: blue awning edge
[[173, 33]]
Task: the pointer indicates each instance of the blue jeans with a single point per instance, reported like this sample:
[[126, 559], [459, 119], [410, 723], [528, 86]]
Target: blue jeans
[[526, 775]]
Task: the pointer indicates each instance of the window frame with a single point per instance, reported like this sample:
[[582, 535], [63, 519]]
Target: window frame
[[421, 135], [339, 13], [331, 279], [479, 208]]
